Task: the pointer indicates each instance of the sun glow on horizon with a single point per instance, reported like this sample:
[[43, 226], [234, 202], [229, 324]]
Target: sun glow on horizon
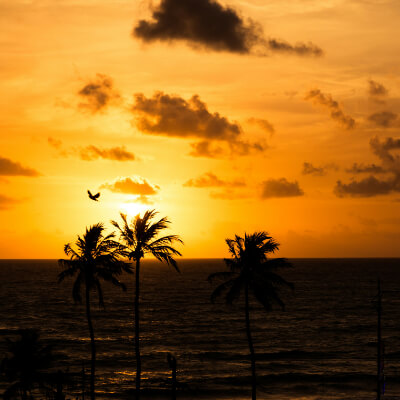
[[133, 208]]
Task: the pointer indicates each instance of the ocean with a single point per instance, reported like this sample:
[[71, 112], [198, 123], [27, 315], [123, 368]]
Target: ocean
[[323, 346]]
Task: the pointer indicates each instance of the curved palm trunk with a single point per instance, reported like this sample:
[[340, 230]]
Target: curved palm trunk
[[251, 348], [92, 345], [137, 330]]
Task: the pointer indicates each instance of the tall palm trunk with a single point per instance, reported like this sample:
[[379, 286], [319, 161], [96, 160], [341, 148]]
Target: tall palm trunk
[[137, 330], [251, 348], [92, 344]]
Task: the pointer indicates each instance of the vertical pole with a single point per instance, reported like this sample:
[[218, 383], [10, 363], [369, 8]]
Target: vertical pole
[[83, 380], [379, 345]]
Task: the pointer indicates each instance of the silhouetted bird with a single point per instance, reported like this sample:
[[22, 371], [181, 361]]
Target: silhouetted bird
[[93, 197]]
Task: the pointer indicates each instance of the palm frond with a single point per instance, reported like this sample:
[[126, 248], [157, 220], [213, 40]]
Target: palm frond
[[220, 289]]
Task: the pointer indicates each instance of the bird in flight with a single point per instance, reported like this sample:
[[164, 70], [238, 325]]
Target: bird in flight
[[93, 197]]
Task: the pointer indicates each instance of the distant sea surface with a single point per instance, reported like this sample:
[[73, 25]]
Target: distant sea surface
[[323, 346]]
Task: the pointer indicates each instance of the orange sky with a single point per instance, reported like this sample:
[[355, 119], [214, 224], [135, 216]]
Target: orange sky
[[227, 117]]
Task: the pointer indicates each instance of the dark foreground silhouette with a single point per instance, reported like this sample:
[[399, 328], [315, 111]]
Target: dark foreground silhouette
[[251, 272]]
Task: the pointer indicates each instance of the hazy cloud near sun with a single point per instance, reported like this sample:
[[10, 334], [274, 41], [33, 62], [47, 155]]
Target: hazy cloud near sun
[[208, 24], [327, 101], [91, 153], [372, 186], [136, 185], [13, 168], [209, 179], [98, 94], [280, 188], [171, 115], [6, 202]]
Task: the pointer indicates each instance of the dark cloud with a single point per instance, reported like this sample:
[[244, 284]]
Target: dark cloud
[[382, 150], [263, 123], [173, 116], [6, 202], [13, 168], [383, 119], [372, 186], [280, 188], [309, 169], [336, 112], [136, 186], [376, 89], [209, 179], [208, 24], [300, 49], [367, 187], [369, 168], [119, 153], [98, 94]]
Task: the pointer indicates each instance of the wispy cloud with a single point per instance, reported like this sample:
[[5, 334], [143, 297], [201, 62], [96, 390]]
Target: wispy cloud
[[209, 179], [13, 168], [310, 169], [7, 202], [119, 153], [91, 153], [327, 101]]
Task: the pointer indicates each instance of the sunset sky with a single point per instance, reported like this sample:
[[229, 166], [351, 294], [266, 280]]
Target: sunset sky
[[226, 116]]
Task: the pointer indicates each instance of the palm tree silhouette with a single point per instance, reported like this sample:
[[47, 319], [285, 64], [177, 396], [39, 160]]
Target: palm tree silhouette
[[140, 238], [97, 257], [25, 367], [252, 272]]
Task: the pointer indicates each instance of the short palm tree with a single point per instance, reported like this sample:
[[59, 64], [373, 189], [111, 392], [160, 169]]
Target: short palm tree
[[26, 366], [96, 257], [141, 237], [252, 272]]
